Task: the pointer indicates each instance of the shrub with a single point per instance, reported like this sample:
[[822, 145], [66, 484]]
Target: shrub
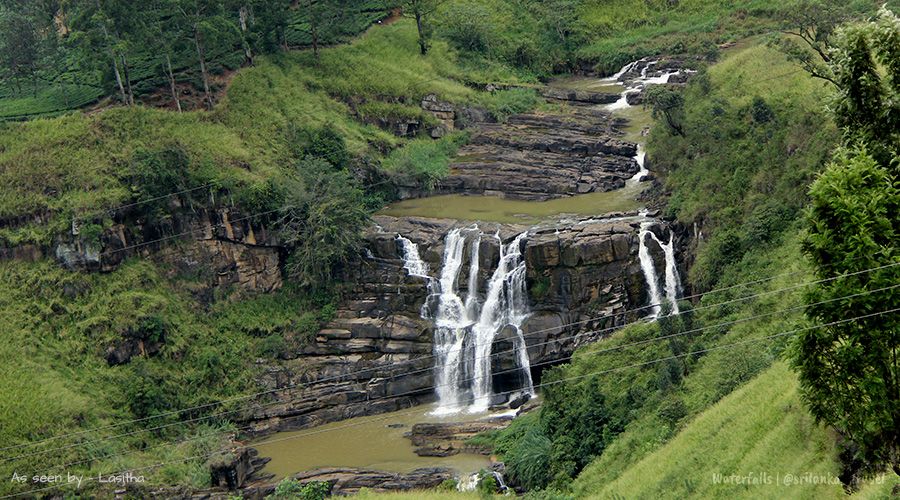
[[528, 460], [504, 103], [424, 161], [467, 27], [321, 222], [291, 489]]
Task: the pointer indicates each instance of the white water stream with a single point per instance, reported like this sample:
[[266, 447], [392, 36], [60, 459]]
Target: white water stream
[[465, 327]]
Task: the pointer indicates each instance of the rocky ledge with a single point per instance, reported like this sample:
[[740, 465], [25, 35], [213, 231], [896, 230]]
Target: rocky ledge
[[539, 156], [443, 439]]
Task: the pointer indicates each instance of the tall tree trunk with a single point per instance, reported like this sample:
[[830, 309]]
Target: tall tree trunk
[[243, 15], [314, 31], [423, 42], [127, 81], [201, 54], [115, 61], [171, 76]]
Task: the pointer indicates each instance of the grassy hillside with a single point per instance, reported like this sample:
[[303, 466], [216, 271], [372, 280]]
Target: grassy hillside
[[81, 163], [55, 378], [74, 88], [758, 430]]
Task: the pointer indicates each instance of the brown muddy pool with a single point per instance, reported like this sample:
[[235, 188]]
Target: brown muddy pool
[[372, 442]]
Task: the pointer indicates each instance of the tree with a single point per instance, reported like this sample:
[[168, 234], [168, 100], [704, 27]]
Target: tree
[[18, 42], [421, 11], [321, 221], [811, 24], [112, 27], [848, 370], [207, 25], [665, 101]]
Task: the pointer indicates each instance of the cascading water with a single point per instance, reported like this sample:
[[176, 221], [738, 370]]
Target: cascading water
[[637, 84], [672, 285], [673, 281], [505, 305], [451, 323], [465, 328], [649, 269], [640, 158], [412, 262]]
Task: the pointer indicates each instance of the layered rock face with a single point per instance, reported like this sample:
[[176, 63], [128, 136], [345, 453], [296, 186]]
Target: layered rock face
[[376, 355], [542, 156], [222, 246]]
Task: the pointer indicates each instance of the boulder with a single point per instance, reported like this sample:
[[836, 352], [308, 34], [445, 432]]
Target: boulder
[[449, 438]]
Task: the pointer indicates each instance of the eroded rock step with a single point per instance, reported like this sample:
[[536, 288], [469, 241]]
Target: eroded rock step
[[538, 156]]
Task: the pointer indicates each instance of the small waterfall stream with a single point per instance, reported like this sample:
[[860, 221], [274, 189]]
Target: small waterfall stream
[[672, 286], [673, 281], [465, 327]]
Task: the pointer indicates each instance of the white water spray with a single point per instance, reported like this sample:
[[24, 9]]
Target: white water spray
[[465, 327], [673, 282], [412, 262], [672, 285], [505, 305]]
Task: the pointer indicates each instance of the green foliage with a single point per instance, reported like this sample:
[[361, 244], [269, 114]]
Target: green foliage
[[424, 161], [501, 104], [447, 485], [847, 369], [487, 484], [847, 373], [155, 174], [741, 167], [321, 222], [327, 144], [668, 103], [291, 489], [528, 459]]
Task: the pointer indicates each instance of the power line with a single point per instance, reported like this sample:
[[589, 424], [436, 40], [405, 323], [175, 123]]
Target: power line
[[568, 379], [514, 350], [358, 372]]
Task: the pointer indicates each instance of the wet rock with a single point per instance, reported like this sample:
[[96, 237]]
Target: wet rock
[[234, 472], [348, 481], [543, 156], [519, 399], [578, 96], [444, 439]]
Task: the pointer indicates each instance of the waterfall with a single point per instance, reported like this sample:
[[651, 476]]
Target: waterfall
[[465, 327], [672, 285], [640, 157], [673, 281], [505, 304], [649, 270], [412, 262], [637, 84], [451, 322]]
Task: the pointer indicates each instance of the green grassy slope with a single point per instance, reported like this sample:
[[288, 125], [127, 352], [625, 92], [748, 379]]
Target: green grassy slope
[[76, 88], [760, 431], [81, 163]]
